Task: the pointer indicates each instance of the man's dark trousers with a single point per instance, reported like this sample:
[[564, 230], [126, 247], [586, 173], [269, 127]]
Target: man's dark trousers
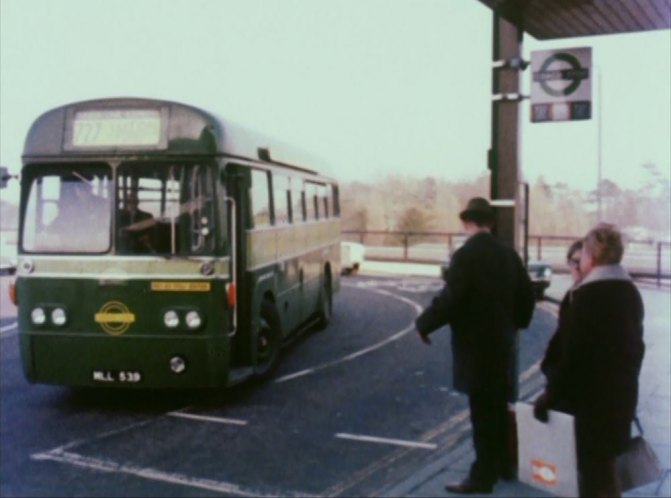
[[489, 419]]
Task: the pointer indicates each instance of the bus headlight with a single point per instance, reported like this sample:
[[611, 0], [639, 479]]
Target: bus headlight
[[59, 317], [171, 319], [193, 320], [38, 316]]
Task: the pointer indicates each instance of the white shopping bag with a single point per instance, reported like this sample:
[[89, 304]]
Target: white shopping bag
[[546, 452]]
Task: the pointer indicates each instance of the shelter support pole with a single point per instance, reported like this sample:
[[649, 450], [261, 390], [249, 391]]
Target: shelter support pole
[[503, 154]]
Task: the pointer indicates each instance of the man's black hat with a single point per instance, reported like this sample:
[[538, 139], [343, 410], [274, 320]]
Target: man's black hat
[[477, 209]]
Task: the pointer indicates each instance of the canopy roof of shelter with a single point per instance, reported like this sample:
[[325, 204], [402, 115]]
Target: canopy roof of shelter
[[552, 19]]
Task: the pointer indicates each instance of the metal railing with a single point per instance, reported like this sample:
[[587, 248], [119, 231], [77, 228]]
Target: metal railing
[[642, 258]]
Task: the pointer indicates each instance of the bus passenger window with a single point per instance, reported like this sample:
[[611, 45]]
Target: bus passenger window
[[200, 212], [281, 199], [298, 203], [335, 200], [260, 198], [311, 201], [324, 201]]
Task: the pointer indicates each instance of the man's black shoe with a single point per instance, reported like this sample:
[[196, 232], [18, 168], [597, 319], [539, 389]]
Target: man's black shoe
[[468, 487]]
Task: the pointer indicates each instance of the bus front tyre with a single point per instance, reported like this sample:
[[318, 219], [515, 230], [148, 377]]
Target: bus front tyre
[[268, 341]]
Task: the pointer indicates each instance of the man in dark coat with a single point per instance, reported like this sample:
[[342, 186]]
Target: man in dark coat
[[595, 375], [487, 297]]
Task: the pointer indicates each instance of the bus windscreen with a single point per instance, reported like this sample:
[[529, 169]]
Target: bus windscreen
[[151, 208], [69, 210], [165, 209]]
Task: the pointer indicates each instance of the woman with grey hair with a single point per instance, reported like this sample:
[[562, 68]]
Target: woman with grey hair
[[596, 376]]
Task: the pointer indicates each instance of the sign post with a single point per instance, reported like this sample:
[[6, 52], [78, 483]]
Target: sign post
[[561, 85]]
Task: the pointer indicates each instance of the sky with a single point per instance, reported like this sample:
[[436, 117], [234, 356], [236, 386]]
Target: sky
[[375, 87]]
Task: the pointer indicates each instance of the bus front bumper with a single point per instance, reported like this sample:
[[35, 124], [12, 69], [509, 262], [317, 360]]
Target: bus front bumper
[[137, 362]]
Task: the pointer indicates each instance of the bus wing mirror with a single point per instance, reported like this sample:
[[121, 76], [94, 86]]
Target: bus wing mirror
[[5, 176]]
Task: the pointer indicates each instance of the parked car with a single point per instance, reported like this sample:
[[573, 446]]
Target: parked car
[[7, 268], [444, 268], [352, 255], [7, 253], [540, 274]]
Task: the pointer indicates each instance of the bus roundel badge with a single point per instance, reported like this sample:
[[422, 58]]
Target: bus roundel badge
[[114, 317]]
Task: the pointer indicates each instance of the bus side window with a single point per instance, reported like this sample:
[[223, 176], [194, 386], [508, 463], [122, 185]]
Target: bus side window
[[335, 200], [222, 210], [311, 201], [324, 202], [200, 220], [50, 187], [260, 198], [281, 199], [298, 199]]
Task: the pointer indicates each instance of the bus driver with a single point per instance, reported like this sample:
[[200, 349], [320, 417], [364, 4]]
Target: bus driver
[[136, 226]]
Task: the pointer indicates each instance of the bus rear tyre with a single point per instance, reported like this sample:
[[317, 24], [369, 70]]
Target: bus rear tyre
[[268, 341]]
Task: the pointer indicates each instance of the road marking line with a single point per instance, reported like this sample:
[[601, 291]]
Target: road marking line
[[549, 307], [456, 425], [219, 420], [382, 440], [455, 420], [346, 358], [533, 394], [301, 373], [110, 466], [99, 436], [8, 328], [418, 309], [529, 372]]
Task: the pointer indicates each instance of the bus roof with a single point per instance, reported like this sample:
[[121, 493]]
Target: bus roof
[[139, 126]]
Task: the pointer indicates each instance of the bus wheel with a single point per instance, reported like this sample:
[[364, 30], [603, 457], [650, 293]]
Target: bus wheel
[[325, 303], [268, 341]]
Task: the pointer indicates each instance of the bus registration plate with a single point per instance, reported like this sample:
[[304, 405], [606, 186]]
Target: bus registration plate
[[130, 376]]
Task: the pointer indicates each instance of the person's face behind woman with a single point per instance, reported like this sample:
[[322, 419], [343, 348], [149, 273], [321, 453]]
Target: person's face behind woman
[[586, 262], [574, 266]]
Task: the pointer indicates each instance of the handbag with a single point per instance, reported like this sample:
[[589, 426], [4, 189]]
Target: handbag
[[638, 465]]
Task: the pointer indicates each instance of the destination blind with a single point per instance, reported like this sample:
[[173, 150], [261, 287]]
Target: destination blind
[[119, 127]]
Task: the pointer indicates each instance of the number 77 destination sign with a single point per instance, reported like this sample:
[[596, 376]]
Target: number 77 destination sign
[[561, 84]]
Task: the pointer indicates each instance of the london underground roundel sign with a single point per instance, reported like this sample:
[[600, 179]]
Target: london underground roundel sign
[[561, 85]]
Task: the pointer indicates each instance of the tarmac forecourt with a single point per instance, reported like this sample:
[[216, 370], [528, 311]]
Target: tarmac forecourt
[[654, 404]]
